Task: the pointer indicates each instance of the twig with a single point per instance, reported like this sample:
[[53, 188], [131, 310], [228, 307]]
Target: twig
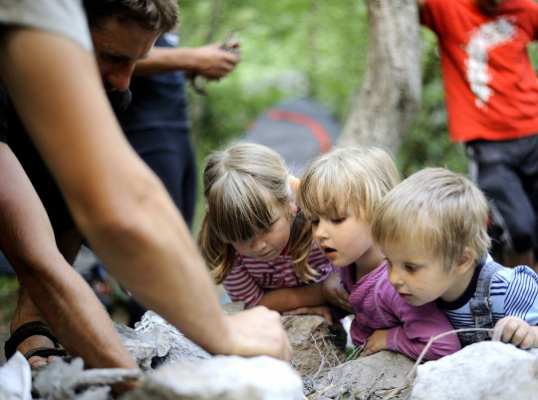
[[407, 379], [321, 355]]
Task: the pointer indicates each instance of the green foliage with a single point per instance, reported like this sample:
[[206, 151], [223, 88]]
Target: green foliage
[[301, 48]]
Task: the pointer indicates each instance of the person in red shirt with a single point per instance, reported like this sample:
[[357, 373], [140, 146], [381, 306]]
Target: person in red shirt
[[491, 94]]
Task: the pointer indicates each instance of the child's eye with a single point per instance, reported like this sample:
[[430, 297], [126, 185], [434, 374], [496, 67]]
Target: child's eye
[[337, 220], [315, 222], [411, 267]]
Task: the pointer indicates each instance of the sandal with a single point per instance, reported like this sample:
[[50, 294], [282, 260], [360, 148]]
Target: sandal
[[35, 328]]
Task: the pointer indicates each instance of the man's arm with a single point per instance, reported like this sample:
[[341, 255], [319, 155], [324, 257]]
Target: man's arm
[[209, 61], [120, 206]]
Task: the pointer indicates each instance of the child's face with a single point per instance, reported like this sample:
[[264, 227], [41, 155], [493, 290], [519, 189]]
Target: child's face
[[419, 278], [344, 239], [268, 245]]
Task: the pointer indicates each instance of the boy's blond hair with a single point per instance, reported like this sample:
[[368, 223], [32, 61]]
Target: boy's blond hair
[[437, 211], [345, 177], [244, 185]]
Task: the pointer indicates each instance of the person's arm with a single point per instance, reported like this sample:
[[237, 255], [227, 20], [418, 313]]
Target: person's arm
[[65, 301], [119, 205], [288, 299], [209, 61], [419, 324]]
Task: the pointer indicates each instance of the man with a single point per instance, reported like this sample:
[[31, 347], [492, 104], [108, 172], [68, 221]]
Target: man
[[492, 101], [116, 202], [157, 124]]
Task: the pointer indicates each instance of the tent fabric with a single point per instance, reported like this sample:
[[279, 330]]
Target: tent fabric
[[298, 130]]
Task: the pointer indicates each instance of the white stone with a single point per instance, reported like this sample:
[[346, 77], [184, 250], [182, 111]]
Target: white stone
[[482, 371]]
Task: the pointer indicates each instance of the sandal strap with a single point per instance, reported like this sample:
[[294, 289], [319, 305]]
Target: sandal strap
[[25, 331], [46, 352]]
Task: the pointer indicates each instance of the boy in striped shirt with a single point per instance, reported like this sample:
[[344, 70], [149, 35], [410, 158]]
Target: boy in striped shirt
[[432, 230]]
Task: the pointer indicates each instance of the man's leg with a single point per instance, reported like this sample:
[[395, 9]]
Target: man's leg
[[496, 171], [69, 243], [62, 297]]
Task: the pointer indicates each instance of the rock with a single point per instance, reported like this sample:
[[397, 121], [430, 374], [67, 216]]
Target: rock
[[482, 371], [222, 378], [155, 342], [232, 308], [60, 380], [316, 345], [371, 377]]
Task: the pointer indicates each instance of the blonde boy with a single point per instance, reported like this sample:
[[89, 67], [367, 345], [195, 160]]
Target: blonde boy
[[432, 230]]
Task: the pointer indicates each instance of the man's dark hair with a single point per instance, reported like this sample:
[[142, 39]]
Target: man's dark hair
[[155, 15]]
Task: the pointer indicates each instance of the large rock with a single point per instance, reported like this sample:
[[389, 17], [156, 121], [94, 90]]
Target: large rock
[[155, 342], [317, 346], [482, 371], [222, 378], [371, 377]]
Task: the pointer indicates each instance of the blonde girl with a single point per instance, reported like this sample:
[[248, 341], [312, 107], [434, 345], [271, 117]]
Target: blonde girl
[[338, 194], [249, 232]]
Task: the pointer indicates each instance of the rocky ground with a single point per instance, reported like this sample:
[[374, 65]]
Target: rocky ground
[[175, 368]]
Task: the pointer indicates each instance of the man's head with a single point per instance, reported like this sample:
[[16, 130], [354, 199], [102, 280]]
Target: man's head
[[489, 6], [124, 31]]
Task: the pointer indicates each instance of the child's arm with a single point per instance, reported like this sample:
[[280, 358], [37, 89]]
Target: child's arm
[[288, 299], [334, 293], [419, 324], [516, 331]]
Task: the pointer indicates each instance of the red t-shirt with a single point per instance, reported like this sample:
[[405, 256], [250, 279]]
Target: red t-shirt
[[490, 86]]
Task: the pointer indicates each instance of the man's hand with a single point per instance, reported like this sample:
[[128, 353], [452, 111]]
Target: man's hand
[[376, 342], [259, 331], [324, 311], [212, 62], [516, 331], [334, 293]]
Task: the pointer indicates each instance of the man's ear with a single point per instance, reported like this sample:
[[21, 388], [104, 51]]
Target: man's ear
[[465, 262]]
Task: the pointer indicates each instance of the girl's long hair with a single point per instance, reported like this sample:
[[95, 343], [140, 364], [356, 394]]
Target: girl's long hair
[[244, 185]]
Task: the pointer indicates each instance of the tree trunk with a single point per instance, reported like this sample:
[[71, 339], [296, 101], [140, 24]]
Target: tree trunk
[[391, 91]]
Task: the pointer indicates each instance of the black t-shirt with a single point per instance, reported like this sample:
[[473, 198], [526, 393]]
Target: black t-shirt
[[35, 168], [159, 101]]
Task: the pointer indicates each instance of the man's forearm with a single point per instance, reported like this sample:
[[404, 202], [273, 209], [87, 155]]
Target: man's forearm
[[166, 59]]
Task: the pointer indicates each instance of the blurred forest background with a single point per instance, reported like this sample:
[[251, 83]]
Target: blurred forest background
[[295, 48], [302, 48]]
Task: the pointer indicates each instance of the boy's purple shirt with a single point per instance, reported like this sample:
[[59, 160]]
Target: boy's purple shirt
[[377, 306]]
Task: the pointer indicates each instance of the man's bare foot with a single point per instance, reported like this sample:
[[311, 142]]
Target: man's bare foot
[[36, 342]]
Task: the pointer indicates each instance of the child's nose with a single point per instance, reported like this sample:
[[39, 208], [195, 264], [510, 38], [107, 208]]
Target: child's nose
[[321, 231], [394, 279], [257, 244]]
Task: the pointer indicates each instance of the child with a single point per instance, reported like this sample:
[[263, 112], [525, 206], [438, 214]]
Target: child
[[338, 193], [250, 228], [432, 229]]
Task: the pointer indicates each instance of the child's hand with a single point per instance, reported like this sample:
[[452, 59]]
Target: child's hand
[[376, 342], [324, 311], [516, 331], [334, 293]]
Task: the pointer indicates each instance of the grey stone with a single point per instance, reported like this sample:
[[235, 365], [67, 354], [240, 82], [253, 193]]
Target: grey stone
[[60, 380], [371, 377], [222, 378], [317, 346], [482, 371], [155, 342]]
